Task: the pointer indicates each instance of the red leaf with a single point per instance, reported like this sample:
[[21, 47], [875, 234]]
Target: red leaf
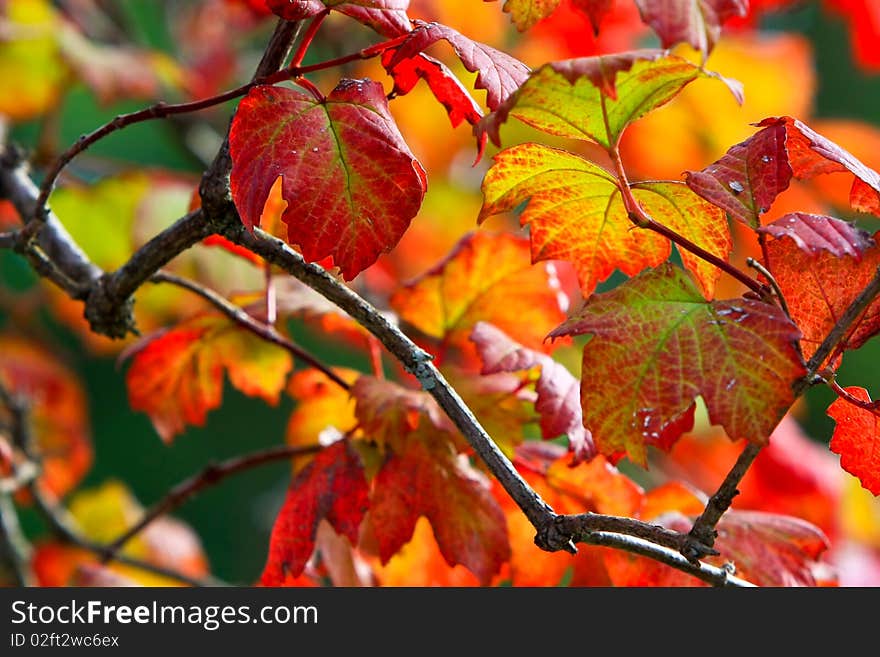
[[388, 17], [819, 287], [657, 345], [697, 23], [814, 233], [497, 72], [595, 10], [558, 390], [749, 177], [331, 486], [746, 180], [351, 183], [857, 439], [427, 478], [864, 20], [447, 89]]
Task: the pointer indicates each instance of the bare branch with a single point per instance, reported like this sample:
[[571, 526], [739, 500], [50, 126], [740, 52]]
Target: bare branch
[[211, 475]]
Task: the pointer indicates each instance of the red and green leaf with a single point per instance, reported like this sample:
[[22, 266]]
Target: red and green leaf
[[176, 376], [856, 438], [576, 213], [819, 286], [595, 98], [351, 183], [658, 344], [479, 281], [332, 487]]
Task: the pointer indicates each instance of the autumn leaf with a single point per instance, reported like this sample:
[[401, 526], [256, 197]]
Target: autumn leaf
[[657, 345], [388, 17], [427, 478], [695, 22], [58, 418], [746, 180], [819, 286], [324, 410], [387, 412], [497, 72], [478, 281], [576, 213], [525, 13], [856, 438], [351, 183], [331, 487], [176, 376], [595, 98], [815, 233], [558, 391]]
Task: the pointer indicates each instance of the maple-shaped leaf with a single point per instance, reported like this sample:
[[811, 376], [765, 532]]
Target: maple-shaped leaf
[[747, 179], [576, 213], [332, 487], [856, 438], [695, 22], [497, 72], [525, 13], [176, 376], [819, 286], [427, 478], [558, 402], [351, 183], [476, 282], [595, 98], [814, 233], [388, 17], [658, 344]]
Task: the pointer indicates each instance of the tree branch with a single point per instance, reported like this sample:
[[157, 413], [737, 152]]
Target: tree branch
[[211, 475], [15, 550]]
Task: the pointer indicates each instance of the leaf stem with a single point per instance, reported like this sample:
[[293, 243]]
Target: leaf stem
[[872, 406], [308, 37], [642, 219], [209, 476], [247, 321]]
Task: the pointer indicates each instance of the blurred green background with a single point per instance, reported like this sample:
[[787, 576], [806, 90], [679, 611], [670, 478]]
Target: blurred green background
[[234, 519]]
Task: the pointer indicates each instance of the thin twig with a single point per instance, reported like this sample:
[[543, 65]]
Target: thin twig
[[703, 534], [211, 475], [248, 321], [761, 269], [8, 240]]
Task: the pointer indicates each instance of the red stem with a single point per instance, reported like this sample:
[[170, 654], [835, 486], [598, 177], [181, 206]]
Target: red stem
[[307, 39], [872, 406], [309, 86]]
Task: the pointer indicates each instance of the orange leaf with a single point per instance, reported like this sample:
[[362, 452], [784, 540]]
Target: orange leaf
[[857, 439], [176, 377], [479, 281], [322, 406], [58, 420]]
